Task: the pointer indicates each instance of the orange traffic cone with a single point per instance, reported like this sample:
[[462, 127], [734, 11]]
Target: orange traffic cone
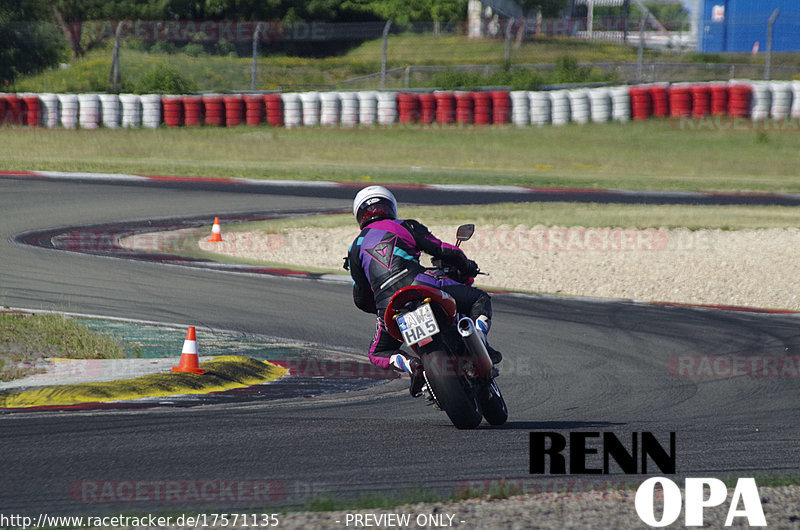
[[189, 361], [216, 233]]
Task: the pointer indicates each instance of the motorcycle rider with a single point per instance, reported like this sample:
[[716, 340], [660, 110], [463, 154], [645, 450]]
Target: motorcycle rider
[[384, 258]]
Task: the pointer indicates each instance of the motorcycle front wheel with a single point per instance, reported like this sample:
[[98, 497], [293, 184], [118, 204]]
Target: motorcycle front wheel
[[448, 388]]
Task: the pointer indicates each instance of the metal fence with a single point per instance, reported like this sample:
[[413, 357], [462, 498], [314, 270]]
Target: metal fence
[[411, 77]]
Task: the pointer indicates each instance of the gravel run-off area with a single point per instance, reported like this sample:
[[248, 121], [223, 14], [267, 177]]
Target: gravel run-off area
[[752, 268]]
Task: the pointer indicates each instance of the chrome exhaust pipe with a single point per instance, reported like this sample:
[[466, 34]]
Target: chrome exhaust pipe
[[475, 346]]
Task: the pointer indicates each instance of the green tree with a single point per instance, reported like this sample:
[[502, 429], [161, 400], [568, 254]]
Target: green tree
[[71, 15], [286, 10], [29, 42], [407, 11], [674, 16]]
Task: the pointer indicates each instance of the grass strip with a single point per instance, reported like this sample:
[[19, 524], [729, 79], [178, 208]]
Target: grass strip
[[653, 155], [327, 503], [203, 71], [223, 373], [26, 340]]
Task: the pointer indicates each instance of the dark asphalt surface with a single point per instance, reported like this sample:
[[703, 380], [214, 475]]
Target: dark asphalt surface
[[570, 365]]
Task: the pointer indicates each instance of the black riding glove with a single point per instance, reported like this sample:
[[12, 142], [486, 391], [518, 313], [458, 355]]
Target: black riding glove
[[470, 269]]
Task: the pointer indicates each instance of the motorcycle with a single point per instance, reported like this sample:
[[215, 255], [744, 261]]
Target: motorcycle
[[459, 374]]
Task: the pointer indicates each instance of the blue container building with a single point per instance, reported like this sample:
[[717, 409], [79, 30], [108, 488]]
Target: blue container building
[[737, 25]]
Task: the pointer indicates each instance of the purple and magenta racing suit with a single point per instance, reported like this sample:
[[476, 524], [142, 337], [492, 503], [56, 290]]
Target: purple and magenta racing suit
[[384, 258]]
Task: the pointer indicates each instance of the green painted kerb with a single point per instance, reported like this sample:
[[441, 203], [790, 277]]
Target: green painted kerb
[[222, 373]]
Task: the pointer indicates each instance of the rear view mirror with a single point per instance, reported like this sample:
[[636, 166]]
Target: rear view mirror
[[465, 232]]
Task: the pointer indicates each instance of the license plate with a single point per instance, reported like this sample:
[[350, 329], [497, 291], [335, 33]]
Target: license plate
[[418, 325]]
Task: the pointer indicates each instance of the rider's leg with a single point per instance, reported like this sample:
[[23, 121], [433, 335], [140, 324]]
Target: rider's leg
[[471, 301], [478, 305], [382, 353]]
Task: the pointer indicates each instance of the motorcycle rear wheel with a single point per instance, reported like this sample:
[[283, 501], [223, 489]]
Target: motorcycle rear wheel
[[448, 389], [493, 405]]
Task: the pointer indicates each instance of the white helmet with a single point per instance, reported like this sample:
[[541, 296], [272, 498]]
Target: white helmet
[[373, 203]]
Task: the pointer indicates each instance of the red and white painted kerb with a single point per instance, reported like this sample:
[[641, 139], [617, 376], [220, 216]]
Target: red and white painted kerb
[[268, 183]]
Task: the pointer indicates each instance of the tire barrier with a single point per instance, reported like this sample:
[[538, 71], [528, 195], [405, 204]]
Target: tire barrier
[[501, 107], [659, 94], [620, 104], [329, 109], [757, 100], [520, 108], [540, 107], [110, 110], [32, 109], [310, 104], [292, 110], [131, 110], [254, 109], [482, 108], [408, 108], [701, 100], [559, 107], [349, 109], [173, 110], [641, 103], [465, 107], [387, 108], [740, 98], [11, 106], [795, 113], [579, 106], [3, 105], [427, 108], [151, 111], [782, 96], [445, 107], [720, 96], [234, 110], [600, 105], [68, 103], [50, 111], [214, 108], [762, 101], [273, 106], [89, 111], [192, 111], [680, 100], [367, 108]]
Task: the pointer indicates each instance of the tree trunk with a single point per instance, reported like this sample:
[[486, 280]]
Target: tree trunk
[[71, 31]]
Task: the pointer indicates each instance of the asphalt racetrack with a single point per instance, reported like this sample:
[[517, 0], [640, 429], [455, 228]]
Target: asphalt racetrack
[[570, 365]]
